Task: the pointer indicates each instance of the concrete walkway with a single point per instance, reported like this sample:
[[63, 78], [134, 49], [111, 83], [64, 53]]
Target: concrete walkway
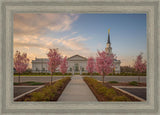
[[77, 90]]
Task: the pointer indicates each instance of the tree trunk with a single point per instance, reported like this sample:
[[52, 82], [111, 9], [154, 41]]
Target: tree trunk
[[138, 78], [19, 78], [103, 79], [51, 77]]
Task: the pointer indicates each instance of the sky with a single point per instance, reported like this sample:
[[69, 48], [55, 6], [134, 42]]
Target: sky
[[81, 34]]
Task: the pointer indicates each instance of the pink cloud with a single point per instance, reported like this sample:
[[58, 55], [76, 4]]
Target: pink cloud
[[38, 24], [29, 29]]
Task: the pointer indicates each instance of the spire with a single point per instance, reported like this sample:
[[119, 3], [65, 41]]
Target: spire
[[108, 37]]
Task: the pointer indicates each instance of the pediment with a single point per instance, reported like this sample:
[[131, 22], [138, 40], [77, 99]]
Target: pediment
[[77, 58]]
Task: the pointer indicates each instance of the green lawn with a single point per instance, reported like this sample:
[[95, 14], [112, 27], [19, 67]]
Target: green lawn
[[134, 83], [113, 81], [29, 83]]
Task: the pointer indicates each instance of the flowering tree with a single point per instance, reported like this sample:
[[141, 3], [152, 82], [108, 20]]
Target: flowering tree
[[90, 65], [54, 60], [64, 65], [20, 63], [139, 65], [104, 63]]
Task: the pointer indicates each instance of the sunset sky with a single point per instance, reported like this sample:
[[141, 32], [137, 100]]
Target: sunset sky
[[81, 34]]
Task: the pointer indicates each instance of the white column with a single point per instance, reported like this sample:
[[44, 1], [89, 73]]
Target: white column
[[80, 70], [73, 70]]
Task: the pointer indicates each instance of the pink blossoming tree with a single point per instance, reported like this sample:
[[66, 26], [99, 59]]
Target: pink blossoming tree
[[90, 65], [104, 63], [64, 65], [20, 63], [139, 65], [54, 60]]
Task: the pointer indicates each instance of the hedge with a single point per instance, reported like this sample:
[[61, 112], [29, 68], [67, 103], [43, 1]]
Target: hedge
[[119, 74], [134, 83], [44, 74]]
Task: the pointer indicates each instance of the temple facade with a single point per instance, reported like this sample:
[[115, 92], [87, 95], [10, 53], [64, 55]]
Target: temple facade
[[76, 63]]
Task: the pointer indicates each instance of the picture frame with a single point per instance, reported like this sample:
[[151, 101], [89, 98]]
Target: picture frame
[[9, 7]]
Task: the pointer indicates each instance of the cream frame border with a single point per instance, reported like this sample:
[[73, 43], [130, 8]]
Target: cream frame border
[[75, 6]]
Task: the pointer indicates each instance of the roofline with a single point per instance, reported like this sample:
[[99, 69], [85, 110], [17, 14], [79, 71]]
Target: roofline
[[76, 55]]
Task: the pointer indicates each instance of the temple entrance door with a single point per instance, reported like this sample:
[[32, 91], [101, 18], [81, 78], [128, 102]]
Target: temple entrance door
[[76, 68]]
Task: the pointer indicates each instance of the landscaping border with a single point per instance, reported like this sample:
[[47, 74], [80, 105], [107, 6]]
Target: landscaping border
[[118, 88], [98, 97], [57, 95], [101, 97], [28, 92]]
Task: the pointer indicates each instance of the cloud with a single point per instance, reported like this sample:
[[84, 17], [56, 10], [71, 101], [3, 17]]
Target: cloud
[[127, 60], [21, 44], [30, 32], [74, 33], [73, 43], [39, 24], [68, 46]]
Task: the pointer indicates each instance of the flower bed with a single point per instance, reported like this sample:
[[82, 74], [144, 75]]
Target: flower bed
[[106, 93], [50, 92]]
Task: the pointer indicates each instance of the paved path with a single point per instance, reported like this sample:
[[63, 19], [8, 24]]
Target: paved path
[[77, 90]]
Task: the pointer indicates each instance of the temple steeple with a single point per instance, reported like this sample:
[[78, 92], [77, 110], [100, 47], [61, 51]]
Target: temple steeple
[[108, 48], [108, 37]]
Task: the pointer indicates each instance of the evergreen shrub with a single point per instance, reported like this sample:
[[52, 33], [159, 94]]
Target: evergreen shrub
[[134, 83], [113, 81], [121, 98]]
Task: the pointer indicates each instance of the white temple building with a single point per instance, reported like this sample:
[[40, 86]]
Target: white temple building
[[76, 63], [108, 49]]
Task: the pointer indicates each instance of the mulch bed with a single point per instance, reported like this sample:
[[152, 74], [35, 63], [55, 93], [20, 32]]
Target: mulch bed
[[99, 97], [59, 92], [108, 85]]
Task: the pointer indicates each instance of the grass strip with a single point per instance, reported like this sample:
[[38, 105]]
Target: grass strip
[[113, 81], [29, 83]]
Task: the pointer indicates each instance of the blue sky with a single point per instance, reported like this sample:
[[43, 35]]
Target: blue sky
[[128, 31], [81, 34]]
